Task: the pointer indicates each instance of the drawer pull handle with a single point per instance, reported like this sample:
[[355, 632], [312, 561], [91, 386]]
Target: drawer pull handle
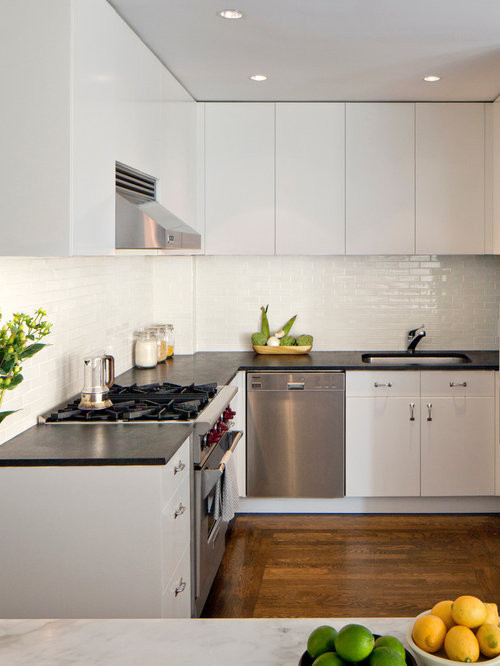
[[180, 510], [429, 408], [377, 385], [180, 588], [412, 411], [179, 467], [462, 384]]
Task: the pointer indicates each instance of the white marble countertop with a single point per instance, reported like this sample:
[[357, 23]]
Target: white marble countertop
[[162, 642]]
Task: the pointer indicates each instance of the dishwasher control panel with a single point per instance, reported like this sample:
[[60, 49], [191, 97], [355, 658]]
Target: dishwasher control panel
[[296, 381]]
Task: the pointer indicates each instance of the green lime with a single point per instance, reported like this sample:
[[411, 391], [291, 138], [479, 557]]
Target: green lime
[[321, 640], [391, 642], [329, 659], [354, 642], [386, 656]]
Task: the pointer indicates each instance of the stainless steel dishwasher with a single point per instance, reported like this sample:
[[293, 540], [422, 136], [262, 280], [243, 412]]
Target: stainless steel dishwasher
[[295, 434]]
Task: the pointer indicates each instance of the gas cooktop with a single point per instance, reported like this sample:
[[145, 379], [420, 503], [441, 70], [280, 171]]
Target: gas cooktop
[[141, 403]]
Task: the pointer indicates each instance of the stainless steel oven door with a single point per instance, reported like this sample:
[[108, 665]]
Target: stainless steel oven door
[[210, 528]]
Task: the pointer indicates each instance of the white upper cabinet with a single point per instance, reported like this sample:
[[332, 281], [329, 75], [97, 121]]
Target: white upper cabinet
[[239, 178], [380, 178], [450, 178], [310, 178], [494, 165], [80, 90], [34, 128]]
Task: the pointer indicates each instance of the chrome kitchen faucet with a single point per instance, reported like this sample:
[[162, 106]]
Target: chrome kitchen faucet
[[414, 337]]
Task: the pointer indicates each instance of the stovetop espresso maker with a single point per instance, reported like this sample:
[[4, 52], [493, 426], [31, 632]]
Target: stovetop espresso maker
[[98, 378]]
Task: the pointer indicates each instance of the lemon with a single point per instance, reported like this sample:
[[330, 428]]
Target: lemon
[[354, 642], [488, 637], [460, 644], [469, 611], [329, 659], [391, 642], [429, 632], [443, 610], [385, 656], [321, 640], [491, 614]]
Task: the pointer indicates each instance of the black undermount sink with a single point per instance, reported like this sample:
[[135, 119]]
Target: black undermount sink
[[415, 358]]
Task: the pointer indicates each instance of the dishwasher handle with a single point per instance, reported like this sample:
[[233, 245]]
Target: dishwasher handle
[[295, 386]]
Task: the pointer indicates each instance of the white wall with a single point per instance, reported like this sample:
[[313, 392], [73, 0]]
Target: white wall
[[95, 304]]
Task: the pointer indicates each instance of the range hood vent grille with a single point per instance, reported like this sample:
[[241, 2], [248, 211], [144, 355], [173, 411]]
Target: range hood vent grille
[[134, 183], [142, 223]]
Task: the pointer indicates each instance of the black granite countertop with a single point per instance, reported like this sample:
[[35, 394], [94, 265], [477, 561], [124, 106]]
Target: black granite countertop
[[94, 444], [222, 366], [154, 444]]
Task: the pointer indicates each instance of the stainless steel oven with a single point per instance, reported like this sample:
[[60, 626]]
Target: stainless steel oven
[[210, 527]]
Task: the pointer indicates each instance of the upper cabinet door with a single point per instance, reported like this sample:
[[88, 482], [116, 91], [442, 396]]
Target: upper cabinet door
[[239, 178], [310, 178], [450, 178], [380, 178]]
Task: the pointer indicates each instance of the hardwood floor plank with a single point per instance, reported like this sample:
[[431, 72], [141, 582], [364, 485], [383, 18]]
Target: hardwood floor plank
[[317, 565]]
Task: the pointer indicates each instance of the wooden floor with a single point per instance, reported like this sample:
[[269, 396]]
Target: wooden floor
[[354, 565]]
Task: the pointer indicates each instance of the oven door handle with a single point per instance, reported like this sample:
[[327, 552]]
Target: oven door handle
[[237, 436], [209, 477]]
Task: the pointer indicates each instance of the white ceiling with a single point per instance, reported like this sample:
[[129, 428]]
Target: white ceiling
[[325, 49]]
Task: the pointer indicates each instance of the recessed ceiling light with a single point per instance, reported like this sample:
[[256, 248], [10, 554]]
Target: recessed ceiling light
[[230, 14], [258, 77], [432, 78]]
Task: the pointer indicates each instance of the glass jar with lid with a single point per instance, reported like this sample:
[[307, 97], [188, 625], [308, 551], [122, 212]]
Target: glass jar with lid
[[171, 340], [165, 338], [146, 348]]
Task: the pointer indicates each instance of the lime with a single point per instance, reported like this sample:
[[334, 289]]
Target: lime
[[354, 642], [391, 642], [329, 659], [386, 656], [321, 640]]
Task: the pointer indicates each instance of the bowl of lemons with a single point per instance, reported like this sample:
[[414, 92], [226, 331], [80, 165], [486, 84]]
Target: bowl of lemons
[[353, 644], [463, 630]]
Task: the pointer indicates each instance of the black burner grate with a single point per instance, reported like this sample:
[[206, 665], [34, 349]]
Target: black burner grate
[[149, 402]]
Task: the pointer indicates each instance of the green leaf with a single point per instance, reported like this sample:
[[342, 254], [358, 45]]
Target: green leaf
[[4, 415], [16, 380], [3, 373], [9, 365], [31, 350]]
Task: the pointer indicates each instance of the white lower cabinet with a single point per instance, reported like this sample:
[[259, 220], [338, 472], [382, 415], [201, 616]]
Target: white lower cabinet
[[382, 434], [411, 433], [458, 434], [176, 598], [238, 405], [97, 541], [383, 447]]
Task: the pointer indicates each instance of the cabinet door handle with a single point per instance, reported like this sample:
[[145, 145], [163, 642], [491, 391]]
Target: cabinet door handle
[[180, 588], [412, 411], [429, 410], [453, 384], [179, 467], [180, 510], [377, 385]]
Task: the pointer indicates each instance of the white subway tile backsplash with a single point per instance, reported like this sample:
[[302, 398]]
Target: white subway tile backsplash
[[95, 304], [350, 302]]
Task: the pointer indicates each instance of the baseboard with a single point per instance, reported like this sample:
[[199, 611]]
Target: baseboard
[[371, 505]]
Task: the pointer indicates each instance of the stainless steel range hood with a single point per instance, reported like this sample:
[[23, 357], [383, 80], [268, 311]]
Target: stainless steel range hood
[[142, 223]]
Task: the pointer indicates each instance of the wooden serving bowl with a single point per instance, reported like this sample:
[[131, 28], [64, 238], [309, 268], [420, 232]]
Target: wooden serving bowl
[[293, 349]]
